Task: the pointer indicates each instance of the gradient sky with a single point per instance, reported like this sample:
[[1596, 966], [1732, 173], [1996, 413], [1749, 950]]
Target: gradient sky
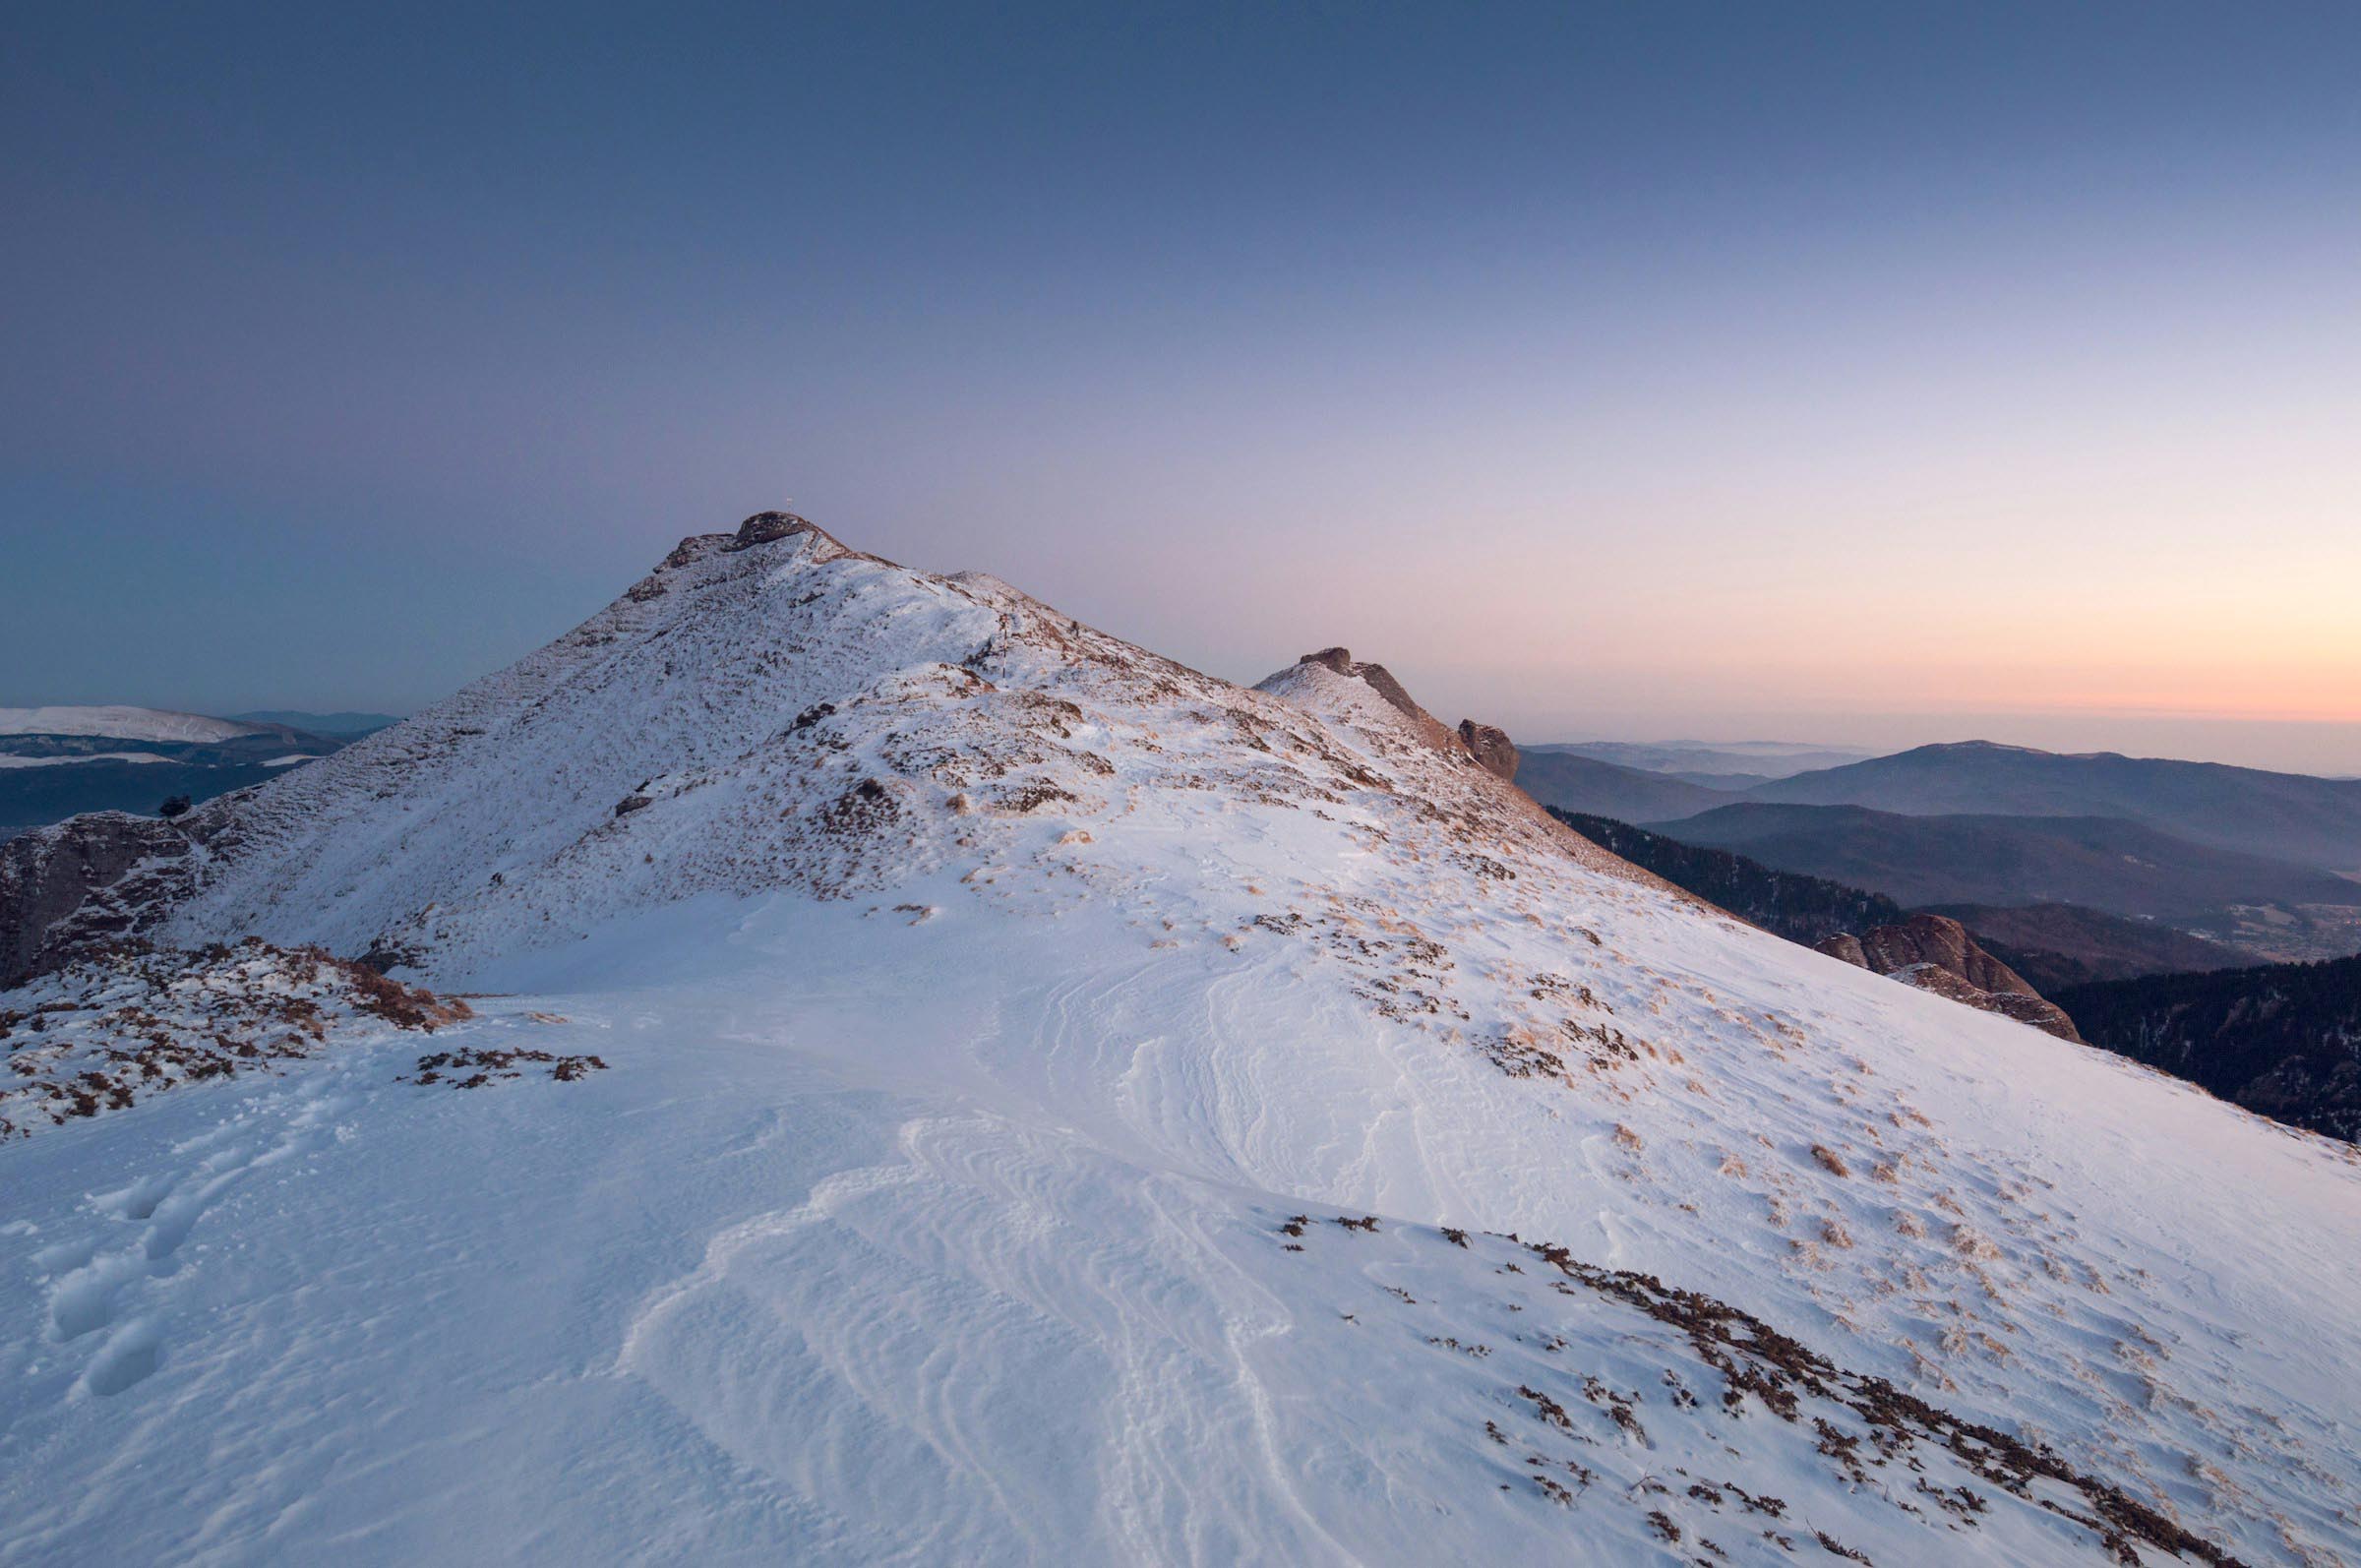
[[1867, 373]]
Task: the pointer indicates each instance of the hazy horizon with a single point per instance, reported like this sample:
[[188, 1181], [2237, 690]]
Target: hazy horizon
[[1662, 371], [2324, 749]]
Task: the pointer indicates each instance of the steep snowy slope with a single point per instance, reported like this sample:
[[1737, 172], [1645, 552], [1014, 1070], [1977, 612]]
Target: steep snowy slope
[[1000, 1023]]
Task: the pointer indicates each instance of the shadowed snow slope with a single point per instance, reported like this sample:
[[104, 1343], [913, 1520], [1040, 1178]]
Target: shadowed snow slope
[[998, 1021]]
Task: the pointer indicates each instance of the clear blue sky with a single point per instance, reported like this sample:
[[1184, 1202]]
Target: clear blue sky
[[1793, 369]]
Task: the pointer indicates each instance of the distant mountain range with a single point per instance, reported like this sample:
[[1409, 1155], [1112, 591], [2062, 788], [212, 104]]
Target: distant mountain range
[[1804, 909], [345, 725], [2133, 894], [2051, 946], [2283, 1039], [117, 721], [2105, 862], [1734, 764], [60, 760], [1573, 782], [2287, 816], [2058, 945], [2265, 865]]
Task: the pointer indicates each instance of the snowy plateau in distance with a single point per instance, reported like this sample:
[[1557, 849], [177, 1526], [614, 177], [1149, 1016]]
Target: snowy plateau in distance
[[124, 723], [875, 1070]]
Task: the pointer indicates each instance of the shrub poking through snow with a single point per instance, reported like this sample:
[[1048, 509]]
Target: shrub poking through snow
[[473, 1068], [115, 1027]]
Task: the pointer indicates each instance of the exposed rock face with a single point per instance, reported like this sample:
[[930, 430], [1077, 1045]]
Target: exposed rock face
[[1379, 680], [764, 526], [1490, 746], [1944, 942], [58, 885], [1936, 954], [1845, 945]]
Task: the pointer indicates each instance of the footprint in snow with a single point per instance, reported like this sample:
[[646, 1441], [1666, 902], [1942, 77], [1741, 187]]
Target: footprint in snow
[[129, 1357], [88, 1280]]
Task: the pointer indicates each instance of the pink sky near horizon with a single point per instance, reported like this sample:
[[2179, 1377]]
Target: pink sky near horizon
[[1676, 369]]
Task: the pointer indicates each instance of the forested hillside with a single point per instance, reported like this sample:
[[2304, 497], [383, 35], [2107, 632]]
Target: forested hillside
[[2283, 1040]]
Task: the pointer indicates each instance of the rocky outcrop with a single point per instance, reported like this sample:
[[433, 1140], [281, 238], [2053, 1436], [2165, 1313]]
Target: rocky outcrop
[[1936, 954], [1488, 747], [1944, 942], [1844, 945], [61, 889], [764, 526], [1492, 747], [1379, 680]]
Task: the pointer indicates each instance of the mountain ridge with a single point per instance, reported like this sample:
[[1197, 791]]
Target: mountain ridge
[[1577, 783], [2295, 817], [2110, 864], [961, 623], [1049, 1099]]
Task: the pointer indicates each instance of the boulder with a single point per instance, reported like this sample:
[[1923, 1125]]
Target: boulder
[[1937, 953], [1492, 747]]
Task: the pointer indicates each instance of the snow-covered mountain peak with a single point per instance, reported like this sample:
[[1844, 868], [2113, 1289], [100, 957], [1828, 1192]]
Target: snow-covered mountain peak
[[769, 710], [1321, 675], [1053, 1102]]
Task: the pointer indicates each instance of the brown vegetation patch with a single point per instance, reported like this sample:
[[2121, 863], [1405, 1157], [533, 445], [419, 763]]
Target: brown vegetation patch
[[472, 1067], [141, 1019]]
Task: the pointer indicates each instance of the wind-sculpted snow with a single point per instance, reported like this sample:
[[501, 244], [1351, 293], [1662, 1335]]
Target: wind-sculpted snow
[[980, 1001]]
